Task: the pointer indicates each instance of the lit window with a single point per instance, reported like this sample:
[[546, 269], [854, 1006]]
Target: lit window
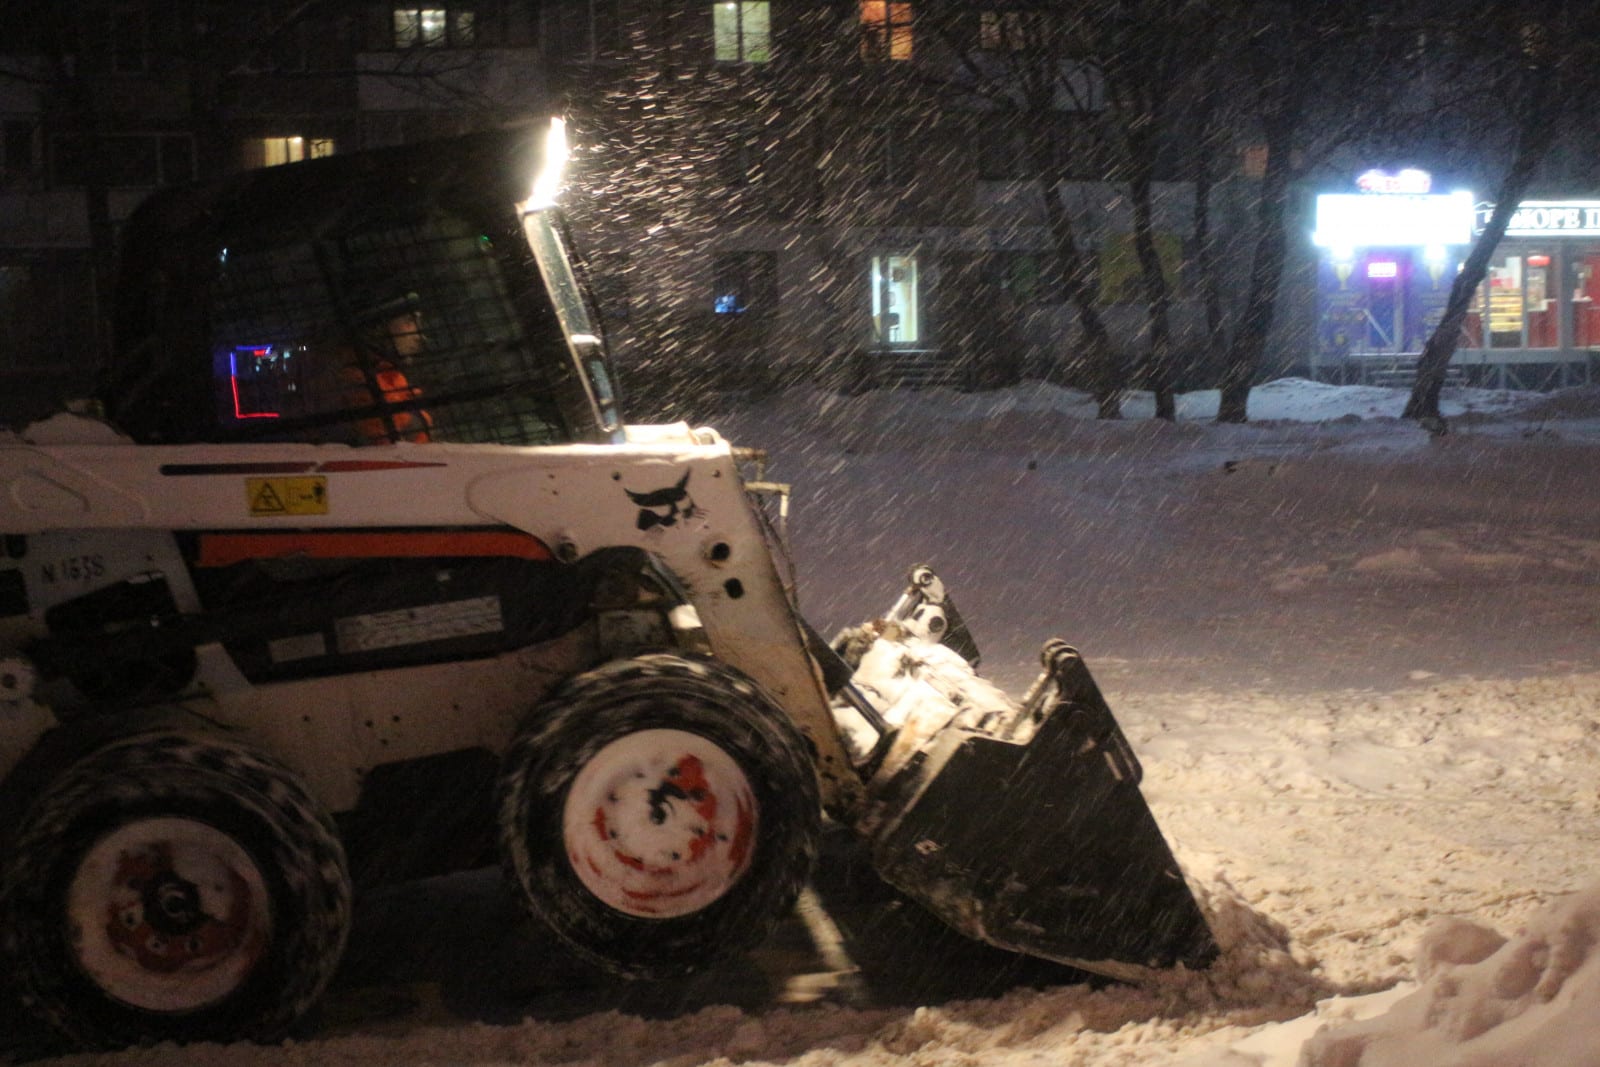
[[742, 30], [885, 29], [433, 27], [896, 306], [272, 151], [1519, 300]]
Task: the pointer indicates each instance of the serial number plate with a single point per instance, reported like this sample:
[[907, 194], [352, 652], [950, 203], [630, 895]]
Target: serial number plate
[[415, 626]]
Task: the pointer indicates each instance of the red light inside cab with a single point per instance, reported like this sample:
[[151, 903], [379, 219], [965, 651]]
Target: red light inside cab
[[253, 355]]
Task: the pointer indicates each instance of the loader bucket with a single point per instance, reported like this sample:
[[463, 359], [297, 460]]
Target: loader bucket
[[1031, 834]]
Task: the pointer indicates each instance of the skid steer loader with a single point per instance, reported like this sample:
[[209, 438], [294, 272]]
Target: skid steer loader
[[358, 575]]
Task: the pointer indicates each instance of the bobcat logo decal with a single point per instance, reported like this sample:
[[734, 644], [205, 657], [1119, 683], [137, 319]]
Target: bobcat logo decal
[[664, 507]]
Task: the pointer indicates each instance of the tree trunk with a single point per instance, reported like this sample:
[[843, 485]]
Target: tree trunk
[[1266, 270], [1072, 266], [1205, 258], [1157, 293], [1533, 141], [1105, 383]]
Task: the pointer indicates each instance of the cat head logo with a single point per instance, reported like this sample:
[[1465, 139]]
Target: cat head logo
[[664, 507]]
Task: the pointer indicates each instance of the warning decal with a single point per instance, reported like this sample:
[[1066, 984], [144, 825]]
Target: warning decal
[[287, 496]]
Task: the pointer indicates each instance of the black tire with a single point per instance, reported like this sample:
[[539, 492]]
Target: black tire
[[746, 810], [173, 886]]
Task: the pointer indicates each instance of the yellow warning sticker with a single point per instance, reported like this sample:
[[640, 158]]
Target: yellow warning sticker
[[287, 496]]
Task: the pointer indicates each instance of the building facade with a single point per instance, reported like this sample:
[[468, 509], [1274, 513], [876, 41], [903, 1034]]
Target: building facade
[[766, 192], [1387, 257]]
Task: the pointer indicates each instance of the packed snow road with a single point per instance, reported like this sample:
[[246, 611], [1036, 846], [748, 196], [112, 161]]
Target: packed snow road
[[456, 950]]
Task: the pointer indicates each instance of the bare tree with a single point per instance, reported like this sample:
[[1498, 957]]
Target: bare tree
[[1204, 156], [1148, 52], [1300, 81], [1282, 76], [1031, 71], [1536, 67]]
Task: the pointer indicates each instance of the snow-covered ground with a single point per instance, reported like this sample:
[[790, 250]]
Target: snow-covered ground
[[1359, 663]]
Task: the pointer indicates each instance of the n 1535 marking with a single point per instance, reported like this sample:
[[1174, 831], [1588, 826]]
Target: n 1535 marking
[[74, 569]]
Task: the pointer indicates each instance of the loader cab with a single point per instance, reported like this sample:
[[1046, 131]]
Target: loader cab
[[422, 293]]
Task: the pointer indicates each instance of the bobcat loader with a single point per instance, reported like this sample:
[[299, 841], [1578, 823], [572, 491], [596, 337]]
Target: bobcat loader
[[250, 663]]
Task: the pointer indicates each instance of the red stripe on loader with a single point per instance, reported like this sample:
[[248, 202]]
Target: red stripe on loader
[[356, 466], [222, 550]]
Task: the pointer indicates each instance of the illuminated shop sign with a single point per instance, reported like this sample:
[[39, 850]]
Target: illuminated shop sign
[[1348, 221], [1550, 218], [1409, 180]]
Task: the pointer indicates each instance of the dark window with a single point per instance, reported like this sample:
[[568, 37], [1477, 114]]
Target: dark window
[[289, 46], [581, 31], [119, 161], [1002, 152], [18, 154], [46, 313], [130, 38], [741, 160], [18, 322], [888, 159], [1003, 31], [177, 159], [745, 281], [1024, 276]]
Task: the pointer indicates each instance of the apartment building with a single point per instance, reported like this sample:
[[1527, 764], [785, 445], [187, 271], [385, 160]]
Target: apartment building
[[766, 192]]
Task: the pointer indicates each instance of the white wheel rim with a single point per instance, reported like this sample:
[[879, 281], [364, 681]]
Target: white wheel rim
[[660, 823], [168, 914]]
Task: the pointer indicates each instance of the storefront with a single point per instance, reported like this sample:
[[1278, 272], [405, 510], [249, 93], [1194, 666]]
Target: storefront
[[1387, 256], [1535, 321]]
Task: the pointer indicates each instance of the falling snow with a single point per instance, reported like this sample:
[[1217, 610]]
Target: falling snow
[[1358, 661]]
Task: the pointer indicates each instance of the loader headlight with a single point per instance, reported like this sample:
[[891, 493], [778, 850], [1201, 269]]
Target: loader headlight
[[548, 181]]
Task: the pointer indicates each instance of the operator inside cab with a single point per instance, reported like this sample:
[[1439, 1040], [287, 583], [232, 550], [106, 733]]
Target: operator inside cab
[[381, 381], [367, 375]]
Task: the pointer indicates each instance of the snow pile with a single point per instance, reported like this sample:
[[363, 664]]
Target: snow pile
[[1367, 825], [1488, 1002]]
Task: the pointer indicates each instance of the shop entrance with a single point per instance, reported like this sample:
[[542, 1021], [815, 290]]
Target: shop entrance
[[1586, 300], [1371, 310], [1385, 306]]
